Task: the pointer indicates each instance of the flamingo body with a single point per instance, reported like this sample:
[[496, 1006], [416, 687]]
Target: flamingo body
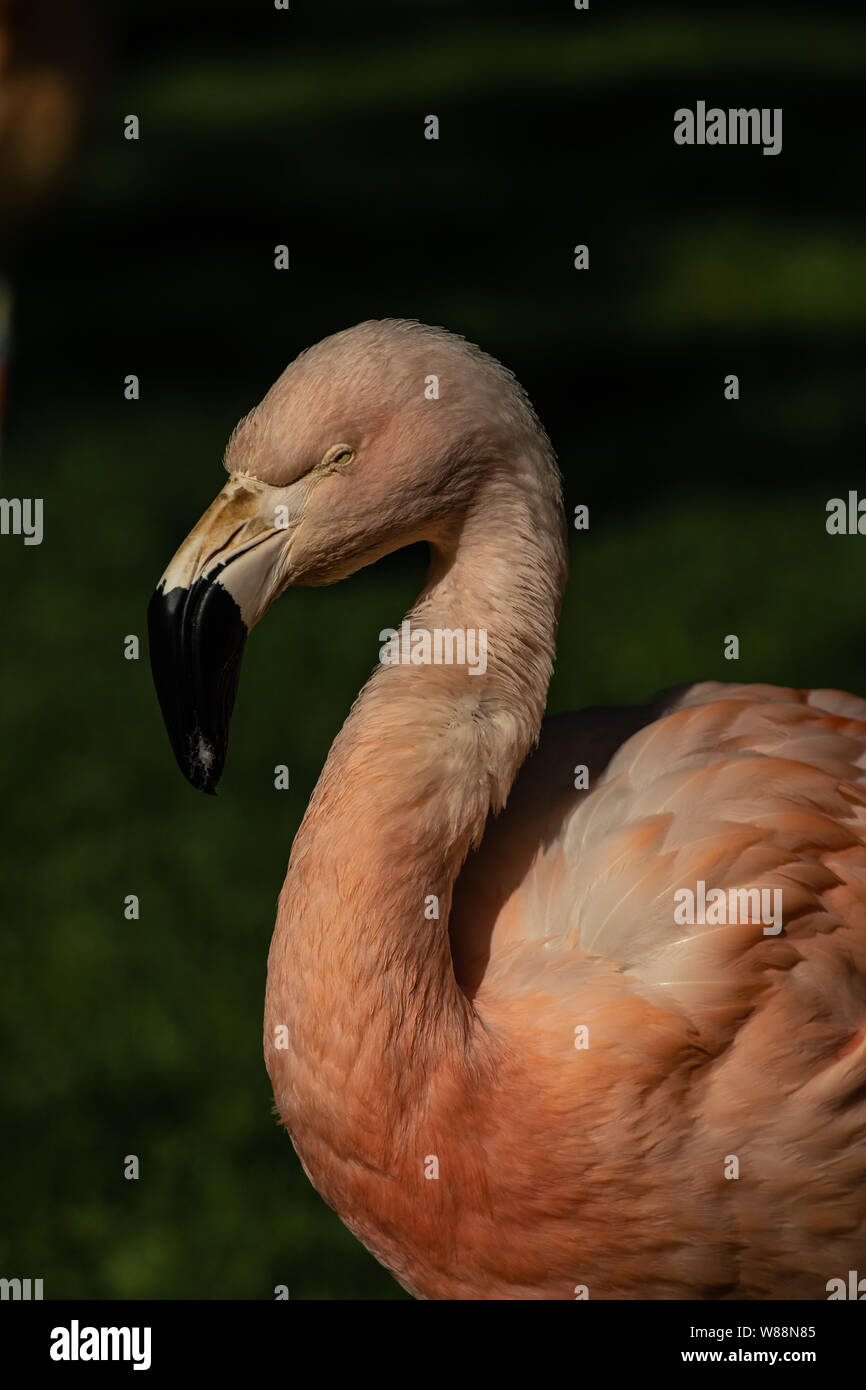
[[502, 1057]]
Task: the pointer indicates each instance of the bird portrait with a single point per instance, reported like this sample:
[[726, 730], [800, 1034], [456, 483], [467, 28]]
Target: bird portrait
[[556, 1007]]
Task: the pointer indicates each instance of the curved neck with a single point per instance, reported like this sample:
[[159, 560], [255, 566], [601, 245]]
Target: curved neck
[[360, 971]]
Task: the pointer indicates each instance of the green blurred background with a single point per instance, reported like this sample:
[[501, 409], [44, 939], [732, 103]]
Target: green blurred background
[[156, 257]]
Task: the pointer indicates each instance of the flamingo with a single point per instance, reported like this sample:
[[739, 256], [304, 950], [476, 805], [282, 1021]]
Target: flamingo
[[500, 1055]]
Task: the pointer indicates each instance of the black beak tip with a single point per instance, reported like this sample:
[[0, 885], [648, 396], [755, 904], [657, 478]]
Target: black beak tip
[[201, 766], [197, 638]]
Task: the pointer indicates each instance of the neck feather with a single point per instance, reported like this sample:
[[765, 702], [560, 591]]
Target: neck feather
[[360, 975]]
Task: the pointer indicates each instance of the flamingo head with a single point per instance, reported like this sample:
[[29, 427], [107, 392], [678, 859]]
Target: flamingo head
[[374, 438]]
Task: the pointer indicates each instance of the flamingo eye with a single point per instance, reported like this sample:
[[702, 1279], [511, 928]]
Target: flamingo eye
[[338, 456]]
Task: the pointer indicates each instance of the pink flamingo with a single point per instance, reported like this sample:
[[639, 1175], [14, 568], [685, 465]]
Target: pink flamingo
[[503, 1056]]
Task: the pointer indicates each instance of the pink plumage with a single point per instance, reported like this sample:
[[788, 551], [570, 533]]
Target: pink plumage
[[503, 1057]]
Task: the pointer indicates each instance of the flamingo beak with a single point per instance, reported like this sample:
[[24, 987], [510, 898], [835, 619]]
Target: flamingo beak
[[197, 638], [217, 586]]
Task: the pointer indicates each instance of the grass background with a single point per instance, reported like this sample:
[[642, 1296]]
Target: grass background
[[707, 517]]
